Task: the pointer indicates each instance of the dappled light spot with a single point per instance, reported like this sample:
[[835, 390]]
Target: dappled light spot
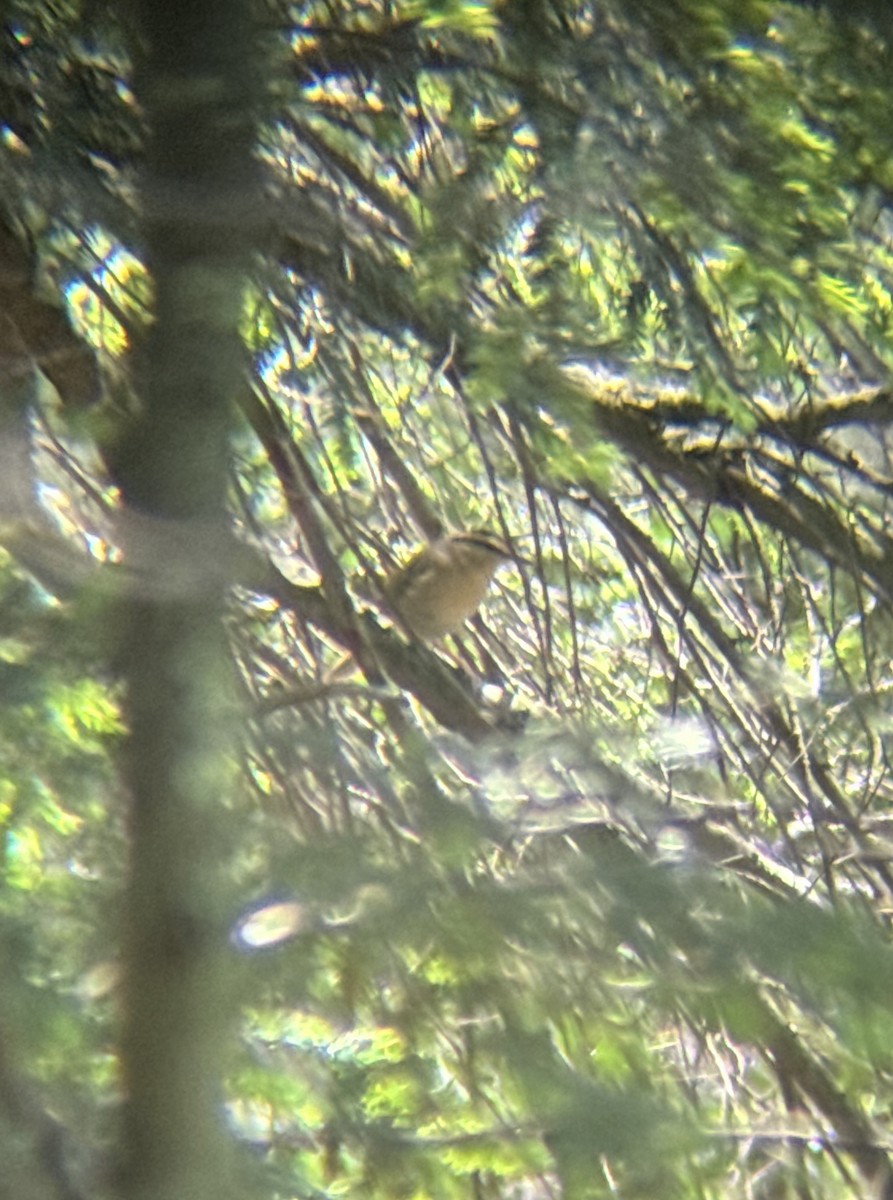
[[269, 925]]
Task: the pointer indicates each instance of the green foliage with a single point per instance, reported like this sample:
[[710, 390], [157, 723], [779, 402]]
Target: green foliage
[[613, 282]]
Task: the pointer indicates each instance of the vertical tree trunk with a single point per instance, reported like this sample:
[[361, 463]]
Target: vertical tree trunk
[[195, 81]]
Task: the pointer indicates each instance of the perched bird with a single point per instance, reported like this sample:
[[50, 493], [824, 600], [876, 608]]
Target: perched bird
[[440, 587], [443, 584]]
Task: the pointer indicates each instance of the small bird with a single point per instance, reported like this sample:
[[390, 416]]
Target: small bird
[[443, 584]]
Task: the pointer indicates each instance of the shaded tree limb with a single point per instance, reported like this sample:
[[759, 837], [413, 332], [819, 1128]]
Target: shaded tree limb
[[197, 82]]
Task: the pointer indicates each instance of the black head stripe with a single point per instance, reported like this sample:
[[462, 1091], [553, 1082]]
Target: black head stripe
[[486, 540]]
